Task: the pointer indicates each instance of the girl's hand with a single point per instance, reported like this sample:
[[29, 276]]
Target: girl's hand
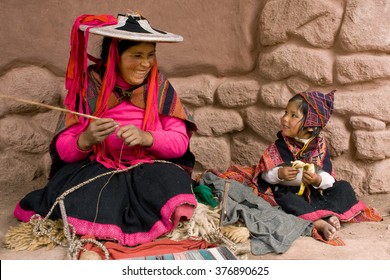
[[310, 178], [132, 136], [287, 173], [96, 132]]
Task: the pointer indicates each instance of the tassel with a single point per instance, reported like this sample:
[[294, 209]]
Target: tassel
[[25, 237]]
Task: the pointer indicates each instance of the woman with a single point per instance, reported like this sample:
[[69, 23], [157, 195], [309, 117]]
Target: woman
[[126, 170]]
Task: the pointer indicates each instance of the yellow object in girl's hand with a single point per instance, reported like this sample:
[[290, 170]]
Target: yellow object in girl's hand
[[307, 167]]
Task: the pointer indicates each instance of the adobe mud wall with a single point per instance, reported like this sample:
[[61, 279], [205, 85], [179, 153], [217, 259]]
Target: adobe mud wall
[[238, 65]]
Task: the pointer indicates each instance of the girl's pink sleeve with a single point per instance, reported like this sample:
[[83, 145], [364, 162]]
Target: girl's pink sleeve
[[172, 141], [67, 147]]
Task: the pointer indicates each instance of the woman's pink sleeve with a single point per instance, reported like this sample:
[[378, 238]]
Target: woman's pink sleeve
[[67, 147], [172, 141]]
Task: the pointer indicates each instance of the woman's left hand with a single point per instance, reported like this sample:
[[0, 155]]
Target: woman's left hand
[[132, 136]]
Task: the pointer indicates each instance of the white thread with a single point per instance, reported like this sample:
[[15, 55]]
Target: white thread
[[100, 192]]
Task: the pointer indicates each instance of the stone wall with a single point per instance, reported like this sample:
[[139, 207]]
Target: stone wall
[[239, 64]]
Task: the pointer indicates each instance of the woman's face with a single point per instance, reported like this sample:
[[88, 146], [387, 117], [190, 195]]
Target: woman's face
[[136, 62], [292, 121]]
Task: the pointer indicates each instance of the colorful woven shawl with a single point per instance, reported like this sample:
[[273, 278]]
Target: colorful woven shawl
[[285, 150], [166, 102]]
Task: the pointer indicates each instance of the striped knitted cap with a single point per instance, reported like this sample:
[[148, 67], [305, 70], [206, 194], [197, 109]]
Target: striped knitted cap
[[320, 108]]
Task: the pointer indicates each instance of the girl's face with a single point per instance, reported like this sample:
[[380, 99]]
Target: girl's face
[[136, 62], [292, 121]]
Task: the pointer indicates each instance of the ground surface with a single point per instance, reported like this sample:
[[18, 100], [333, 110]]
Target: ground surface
[[364, 241]]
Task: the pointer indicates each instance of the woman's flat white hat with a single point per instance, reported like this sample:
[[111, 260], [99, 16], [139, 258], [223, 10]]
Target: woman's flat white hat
[[134, 27]]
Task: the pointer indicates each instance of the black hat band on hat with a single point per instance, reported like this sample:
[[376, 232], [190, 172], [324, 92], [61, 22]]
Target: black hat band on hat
[[133, 25]]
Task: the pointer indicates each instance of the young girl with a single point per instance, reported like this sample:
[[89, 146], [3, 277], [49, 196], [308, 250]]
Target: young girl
[[316, 196]]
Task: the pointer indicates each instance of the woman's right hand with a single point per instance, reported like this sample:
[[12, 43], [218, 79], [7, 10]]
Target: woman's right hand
[[287, 173], [96, 132]]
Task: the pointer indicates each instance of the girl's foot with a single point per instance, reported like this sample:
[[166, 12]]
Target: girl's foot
[[326, 229], [334, 221]]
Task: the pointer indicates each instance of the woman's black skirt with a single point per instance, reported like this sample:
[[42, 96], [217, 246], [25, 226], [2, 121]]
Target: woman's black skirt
[[132, 207]]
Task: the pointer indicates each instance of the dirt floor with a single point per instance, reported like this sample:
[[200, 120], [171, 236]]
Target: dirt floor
[[364, 241]]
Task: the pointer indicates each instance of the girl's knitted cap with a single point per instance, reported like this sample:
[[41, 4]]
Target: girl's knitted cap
[[320, 108]]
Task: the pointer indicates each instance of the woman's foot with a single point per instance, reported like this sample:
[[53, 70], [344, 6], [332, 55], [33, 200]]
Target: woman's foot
[[334, 221], [327, 231]]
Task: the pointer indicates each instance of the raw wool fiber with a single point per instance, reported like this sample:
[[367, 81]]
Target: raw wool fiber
[[204, 224], [23, 237]]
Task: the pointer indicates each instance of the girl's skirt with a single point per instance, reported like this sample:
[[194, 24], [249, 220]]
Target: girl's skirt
[[339, 200]]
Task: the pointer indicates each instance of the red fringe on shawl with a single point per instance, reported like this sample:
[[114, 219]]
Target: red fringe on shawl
[[76, 78]]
